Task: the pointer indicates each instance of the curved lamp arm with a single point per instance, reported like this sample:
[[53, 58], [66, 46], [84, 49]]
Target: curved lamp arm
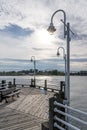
[[63, 51], [33, 57], [60, 10]]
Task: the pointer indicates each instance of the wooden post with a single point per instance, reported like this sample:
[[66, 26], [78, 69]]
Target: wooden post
[[22, 85], [14, 82], [0, 97], [51, 113], [32, 83], [62, 87], [3, 83], [59, 97], [45, 86], [9, 84]]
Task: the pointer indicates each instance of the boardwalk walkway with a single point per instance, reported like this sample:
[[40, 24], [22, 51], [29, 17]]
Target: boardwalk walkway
[[26, 112]]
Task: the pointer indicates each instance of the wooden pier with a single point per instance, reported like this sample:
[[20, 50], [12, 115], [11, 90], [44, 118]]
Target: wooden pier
[[26, 112], [38, 108]]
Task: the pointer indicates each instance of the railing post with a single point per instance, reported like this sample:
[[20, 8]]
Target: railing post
[[62, 86], [9, 84], [14, 82], [51, 114], [45, 86], [22, 85], [3, 83], [32, 83], [0, 97]]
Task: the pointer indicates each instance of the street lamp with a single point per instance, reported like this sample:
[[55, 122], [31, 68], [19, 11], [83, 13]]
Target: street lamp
[[34, 61], [67, 36], [64, 56]]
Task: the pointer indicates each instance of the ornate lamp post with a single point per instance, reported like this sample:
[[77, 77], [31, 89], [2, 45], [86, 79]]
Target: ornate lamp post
[[67, 36], [34, 61]]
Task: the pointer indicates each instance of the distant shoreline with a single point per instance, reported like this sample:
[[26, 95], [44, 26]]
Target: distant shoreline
[[41, 73]]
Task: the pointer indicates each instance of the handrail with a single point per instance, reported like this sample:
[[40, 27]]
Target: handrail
[[59, 127], [73, 109], [22, 84], [41, 87], [68, 115], [66, 123], [48, 88]]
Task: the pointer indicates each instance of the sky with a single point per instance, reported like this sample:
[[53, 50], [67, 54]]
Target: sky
[[23, 34]]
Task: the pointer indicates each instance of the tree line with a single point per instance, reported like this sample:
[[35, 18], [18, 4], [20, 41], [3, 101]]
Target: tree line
[[40, 72], [31, 72]]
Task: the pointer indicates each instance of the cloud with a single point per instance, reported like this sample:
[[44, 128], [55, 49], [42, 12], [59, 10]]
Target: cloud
[[80, 55], [79, 60], [38, 49], [24, 64], [24, 23], [16, 31], [42, 49], [45, 64]]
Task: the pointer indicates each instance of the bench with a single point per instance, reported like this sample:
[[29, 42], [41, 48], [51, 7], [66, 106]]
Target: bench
[[14, 93], [10, 92], [2, 88]]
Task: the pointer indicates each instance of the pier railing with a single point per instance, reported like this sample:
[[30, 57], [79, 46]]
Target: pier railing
[[29, 82], [63, 117], [68, 115], [40, 84]]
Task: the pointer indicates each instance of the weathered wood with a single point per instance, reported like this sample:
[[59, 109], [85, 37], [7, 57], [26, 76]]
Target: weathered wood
[[9, 92], [45, 126], [13, 94], [27, 112]]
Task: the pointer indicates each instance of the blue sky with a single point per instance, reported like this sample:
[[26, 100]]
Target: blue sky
[[23, 33]]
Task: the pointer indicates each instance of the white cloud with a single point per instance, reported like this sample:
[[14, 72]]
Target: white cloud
[[36, 14]]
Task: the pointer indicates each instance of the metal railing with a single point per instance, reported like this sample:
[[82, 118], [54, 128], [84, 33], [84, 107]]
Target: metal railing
[[68, 115]]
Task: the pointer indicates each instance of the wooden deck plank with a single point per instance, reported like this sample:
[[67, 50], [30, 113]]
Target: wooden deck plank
[[25, 113], [33, 104], [18, 120], [33, 128]]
